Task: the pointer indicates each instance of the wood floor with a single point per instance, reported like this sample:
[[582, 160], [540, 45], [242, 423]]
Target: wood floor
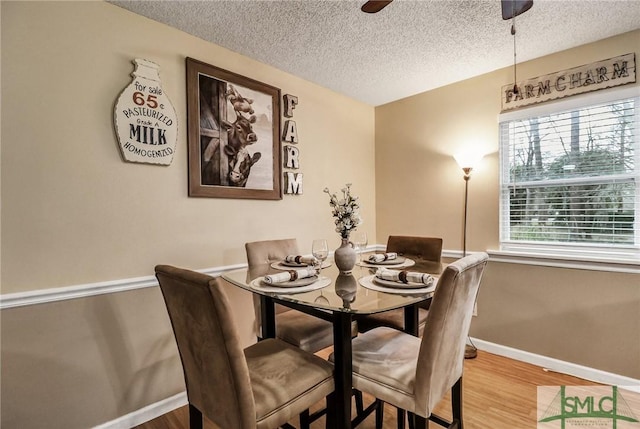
[[499, 393]]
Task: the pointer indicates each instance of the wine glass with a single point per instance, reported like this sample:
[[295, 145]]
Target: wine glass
[[321, 299], [320, 250], [360, 242]]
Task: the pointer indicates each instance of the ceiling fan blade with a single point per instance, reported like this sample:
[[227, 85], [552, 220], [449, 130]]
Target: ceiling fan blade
[[511, 8], [374, 6]]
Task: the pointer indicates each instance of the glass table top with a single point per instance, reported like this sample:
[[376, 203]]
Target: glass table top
[[343, 292]]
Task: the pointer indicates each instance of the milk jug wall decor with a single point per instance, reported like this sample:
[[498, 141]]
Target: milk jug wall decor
[[145, 120]]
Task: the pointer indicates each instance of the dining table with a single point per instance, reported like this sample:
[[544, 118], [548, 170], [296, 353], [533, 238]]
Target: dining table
[[338, 298]]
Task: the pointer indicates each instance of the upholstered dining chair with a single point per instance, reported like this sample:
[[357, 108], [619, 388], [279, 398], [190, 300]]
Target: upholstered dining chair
[[302, 330], [420, 249], [413, 373], [260, 387]]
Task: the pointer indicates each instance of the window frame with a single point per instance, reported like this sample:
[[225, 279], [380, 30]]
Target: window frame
[[599, 253]]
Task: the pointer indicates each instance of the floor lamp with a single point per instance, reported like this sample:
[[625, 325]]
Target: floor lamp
[[467, 161]]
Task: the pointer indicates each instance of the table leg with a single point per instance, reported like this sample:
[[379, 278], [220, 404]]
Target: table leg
[[268, 316], [411, 319], [342, 369], [456, 401]]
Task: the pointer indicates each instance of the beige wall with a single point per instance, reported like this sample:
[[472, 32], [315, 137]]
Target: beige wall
[[81, 362], [74, 213], [585, 317]]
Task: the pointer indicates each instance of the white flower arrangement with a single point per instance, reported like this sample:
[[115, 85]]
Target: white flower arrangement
[[345, 211]]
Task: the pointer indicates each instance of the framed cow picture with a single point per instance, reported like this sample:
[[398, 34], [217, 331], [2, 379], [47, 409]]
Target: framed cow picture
[[233, 135]]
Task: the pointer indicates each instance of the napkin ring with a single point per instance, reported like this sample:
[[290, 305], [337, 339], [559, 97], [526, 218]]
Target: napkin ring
[[402, 275], [293, 274]]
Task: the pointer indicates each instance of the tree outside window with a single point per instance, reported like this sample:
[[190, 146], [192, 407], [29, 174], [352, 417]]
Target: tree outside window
[[571, 177]]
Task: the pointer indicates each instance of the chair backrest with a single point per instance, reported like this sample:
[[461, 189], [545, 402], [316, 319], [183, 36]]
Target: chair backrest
[[215, 369], [268, 251], [259, 255], [425, 248], [441, 356]]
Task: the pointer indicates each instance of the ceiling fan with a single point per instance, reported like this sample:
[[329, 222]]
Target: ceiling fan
[[374, 6], [510, 8]]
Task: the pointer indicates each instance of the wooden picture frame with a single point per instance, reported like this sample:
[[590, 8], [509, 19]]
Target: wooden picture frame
[[233, 134]]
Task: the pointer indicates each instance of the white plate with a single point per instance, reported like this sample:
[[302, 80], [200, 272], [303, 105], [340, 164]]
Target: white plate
[[322, 281], [368, 283], [294, 264], [395, 261], [292, 283], [280, 265], [399, 285], [407, 263]]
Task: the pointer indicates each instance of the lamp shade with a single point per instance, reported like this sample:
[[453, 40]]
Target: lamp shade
[[468, 159]]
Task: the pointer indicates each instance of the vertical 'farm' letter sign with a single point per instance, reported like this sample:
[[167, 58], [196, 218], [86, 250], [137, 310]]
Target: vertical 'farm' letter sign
[[292, 180], [145, 120]]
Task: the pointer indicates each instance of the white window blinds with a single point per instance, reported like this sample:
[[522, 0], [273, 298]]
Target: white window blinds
[[570, 177]]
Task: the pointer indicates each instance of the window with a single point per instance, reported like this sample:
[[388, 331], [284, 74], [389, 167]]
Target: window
[[570, 176]]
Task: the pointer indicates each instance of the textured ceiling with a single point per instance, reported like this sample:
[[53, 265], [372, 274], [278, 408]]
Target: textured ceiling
[[407, 48]]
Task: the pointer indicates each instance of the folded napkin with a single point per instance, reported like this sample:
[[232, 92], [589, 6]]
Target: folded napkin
[[404, 276], [290, 275], [298, 259], [381, 257]]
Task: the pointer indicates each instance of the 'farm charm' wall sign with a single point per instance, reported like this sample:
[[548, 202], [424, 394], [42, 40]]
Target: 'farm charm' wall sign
[[145, 120], [590, 77]]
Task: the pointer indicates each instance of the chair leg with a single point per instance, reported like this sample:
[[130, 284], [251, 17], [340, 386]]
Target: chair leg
[[195, 418], [456, 402], [359, 402], [420, 422], [305, 422], [377, 406], [379, 414], [330, 421], [401, 418]]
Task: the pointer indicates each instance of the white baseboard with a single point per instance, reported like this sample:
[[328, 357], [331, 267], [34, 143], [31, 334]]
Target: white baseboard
[[147, 413], [556, 365]]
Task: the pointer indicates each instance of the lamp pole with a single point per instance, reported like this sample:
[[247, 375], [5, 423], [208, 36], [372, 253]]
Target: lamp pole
[[470, 350], [467, 176]]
